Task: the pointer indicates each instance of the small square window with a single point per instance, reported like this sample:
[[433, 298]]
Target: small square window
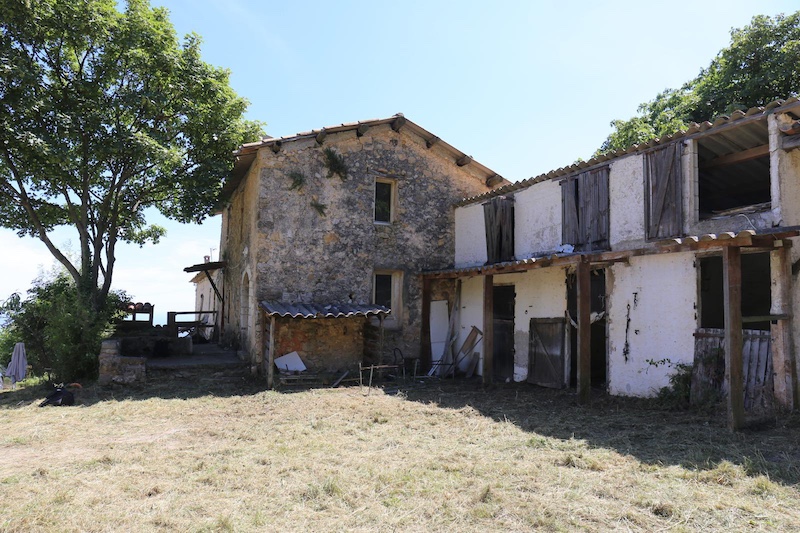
[[383, 201]]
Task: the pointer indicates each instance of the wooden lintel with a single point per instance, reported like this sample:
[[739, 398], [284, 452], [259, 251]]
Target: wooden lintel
[[433, 140], [320, 138], [790, 143], [361, 130], [790, 128], [738, 157], [276, 146], [398, 123], [464, 160], [766, 318], [734, 377]]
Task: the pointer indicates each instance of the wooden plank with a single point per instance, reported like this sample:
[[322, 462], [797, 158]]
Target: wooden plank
[[790, 143], [763, 370], [732, 290], [750, 345], [271, 358], [488, 330], [584, 281], [569, 212], [738, 157]]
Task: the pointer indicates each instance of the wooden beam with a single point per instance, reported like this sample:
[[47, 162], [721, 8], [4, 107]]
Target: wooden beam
[[276, 146], [783, 362], [493, 180], [425, 337], [464, 160], [362, 130], [738, 157], [584, 332], [398, 123], [320, 138], [430, 142], [734, 377], [790, 143], [488, 330], [790, 128]]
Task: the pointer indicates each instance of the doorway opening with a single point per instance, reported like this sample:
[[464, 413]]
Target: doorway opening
[[599, 356], [756, 297], [503, 309]]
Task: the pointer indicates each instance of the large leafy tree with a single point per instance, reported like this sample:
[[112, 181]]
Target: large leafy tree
[[104, 114], [760, 65]]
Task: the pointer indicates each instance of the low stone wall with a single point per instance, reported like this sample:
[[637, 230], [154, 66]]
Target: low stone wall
[[115, 368]]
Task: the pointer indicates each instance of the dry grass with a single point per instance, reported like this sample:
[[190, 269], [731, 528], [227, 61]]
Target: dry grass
[[217, 453]]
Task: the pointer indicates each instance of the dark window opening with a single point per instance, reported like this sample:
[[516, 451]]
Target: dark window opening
[[733, 172], [756, 297], [503, 323], [498, 215], [383, 201], [383, 290]]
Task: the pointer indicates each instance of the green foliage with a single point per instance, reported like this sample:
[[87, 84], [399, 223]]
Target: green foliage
[[103, 114], [677, 395], [335, 164], [60, 332], [759, 66], [298, 180]]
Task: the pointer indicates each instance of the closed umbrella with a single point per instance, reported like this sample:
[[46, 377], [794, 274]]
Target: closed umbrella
[[18, 366]]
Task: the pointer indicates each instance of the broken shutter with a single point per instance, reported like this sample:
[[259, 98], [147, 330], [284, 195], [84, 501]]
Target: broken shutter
[[498, 215], [546, 352], [585, 210], [663, 192]]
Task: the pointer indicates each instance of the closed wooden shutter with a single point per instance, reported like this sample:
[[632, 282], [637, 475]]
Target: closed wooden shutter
[[498, 215], [546, 352], [663, 192], [593, 217]]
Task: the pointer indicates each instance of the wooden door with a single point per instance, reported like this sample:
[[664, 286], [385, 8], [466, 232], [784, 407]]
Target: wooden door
[[503, 307], [546, 365]]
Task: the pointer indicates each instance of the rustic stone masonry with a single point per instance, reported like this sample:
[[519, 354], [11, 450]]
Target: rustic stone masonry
[[115, 368]]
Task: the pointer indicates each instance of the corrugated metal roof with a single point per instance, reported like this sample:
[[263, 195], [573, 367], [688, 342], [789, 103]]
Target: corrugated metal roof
[[694, 130], [299, 310]]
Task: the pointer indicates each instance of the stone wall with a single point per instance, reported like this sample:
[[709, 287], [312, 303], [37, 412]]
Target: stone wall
[[114, 368], [324, 345], [301, 255]]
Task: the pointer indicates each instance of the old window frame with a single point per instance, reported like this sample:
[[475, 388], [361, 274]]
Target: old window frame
[[392, 201], [394, 319]]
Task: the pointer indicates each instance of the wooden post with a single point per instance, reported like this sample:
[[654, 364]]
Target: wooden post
[[488, 330], [380, 344], [271, 358], [732, 289], [785, 379], [584, 280], [425, 338]]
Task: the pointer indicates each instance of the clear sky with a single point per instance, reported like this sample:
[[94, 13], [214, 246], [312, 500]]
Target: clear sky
[[523, 86]]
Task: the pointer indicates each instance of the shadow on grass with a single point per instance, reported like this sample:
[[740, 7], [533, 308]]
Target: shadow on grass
[[696, 440]]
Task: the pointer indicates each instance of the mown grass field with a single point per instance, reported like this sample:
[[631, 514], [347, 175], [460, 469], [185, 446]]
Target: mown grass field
[[195, 452]]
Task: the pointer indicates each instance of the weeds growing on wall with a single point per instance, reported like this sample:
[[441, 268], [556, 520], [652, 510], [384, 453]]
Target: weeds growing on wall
[[298, 180], [335, 164]]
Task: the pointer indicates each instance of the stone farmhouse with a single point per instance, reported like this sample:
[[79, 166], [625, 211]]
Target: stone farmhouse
[[615, 271], [325, 232]]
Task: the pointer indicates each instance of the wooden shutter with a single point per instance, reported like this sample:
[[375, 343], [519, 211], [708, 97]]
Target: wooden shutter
[[663, 192], [546, 352], [570, 230], [498, 216], [593, 212]]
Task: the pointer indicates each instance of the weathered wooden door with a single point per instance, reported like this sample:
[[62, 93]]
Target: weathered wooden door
[[663, 192], [547, 343], [504, 298]]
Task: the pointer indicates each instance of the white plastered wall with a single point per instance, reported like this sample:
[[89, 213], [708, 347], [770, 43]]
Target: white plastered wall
[[537, 219], [470, 236], [661, 291], [626, 202], [471, 312]]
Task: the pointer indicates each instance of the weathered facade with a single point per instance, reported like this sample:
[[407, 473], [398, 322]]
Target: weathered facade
[[347, 215], [616, 266]]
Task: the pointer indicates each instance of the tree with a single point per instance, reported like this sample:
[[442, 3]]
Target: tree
[[102, 115], [759, 66]]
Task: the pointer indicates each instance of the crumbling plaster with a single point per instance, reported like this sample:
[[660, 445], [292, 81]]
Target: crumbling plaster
[[537, 219]]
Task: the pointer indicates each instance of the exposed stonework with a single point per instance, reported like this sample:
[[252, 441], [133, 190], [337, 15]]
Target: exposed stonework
[[115, 368], [278, 246]]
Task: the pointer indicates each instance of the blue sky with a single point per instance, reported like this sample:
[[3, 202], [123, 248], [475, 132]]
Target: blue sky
[[523, 86]]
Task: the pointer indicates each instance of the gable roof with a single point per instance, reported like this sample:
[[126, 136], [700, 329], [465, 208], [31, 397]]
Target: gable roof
[[246, 154], [695, 130]]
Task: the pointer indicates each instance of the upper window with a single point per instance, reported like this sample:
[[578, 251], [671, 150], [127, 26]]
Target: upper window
[[498, 216], [584, 210], [384, 201], [733, 171]]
